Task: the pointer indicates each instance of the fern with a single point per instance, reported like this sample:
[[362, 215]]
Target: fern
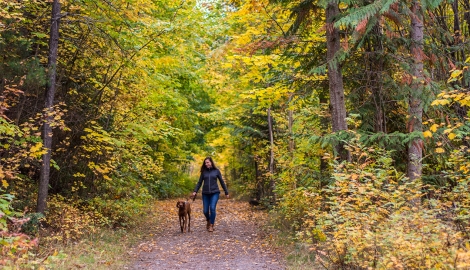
[[430, 4], [370, 25], [339, 57], [357, 15], [319, 70]]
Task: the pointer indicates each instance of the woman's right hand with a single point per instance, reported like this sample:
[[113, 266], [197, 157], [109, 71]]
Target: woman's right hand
[[194, 193]]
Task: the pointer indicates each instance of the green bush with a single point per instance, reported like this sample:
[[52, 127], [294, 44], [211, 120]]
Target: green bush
[[31, 227], [172, 184]]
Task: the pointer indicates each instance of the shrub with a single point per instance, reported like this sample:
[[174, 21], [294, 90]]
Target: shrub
[[14, 245], [456, 202], [31, 227], [67, 221], [294, 206], [375, 217], [120, 212]]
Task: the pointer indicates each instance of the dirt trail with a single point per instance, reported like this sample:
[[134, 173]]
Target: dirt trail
[[238, 241]]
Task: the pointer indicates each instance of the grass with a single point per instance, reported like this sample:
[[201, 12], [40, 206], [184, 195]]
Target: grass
[[301, 257], [106, 250]]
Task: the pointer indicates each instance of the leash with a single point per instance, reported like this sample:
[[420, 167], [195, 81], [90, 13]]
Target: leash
[[193, 197]]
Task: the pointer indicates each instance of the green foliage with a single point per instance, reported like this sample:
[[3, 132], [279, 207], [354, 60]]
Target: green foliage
[[131, 83], [32, 226], [430, 4], [173, 184], [357, 15], [6, 210]]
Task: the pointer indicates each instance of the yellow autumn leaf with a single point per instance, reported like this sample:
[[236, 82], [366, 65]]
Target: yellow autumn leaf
[[4, 183], [459, 96], [443, 101], [37, 150], [456, 73], [434, 127], [36, 147], [440, 150], [451, 136], [463, 168], [465, 101], [427, 134]]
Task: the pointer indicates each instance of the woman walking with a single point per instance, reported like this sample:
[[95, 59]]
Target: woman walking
[[210, 190]]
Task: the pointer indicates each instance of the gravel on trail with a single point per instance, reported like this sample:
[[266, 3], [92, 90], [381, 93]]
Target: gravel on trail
[[239, 241]]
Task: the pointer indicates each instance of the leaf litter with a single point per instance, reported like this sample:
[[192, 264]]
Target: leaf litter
[[239, 241]]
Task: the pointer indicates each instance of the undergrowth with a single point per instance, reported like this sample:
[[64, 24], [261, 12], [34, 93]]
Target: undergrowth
[[100, 248], [373, 216]]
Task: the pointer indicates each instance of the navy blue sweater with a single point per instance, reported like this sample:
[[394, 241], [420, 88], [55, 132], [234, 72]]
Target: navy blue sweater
[[210, 176]]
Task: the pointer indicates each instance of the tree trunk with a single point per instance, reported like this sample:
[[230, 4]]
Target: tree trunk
[[272, 183], [335, 77], [291, 136], [458, 56], [377, 67], [466, 17], [259, 183], [455, 9], [49, 102], [415, 153]]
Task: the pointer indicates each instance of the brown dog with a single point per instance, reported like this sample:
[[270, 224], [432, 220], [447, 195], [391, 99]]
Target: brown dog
[[184, 213]]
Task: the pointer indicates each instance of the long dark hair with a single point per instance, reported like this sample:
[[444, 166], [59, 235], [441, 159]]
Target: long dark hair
[[204, 168]]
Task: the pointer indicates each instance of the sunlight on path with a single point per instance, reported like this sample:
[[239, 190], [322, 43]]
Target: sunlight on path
[[237, 242]]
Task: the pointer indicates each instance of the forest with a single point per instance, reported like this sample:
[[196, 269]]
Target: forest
[[347, 120]]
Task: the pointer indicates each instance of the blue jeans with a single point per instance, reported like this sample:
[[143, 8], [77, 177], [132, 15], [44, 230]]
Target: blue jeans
[[209, 201]]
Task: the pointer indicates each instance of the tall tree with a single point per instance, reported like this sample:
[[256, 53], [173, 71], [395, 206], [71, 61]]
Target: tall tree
[[415, 123], [49, 102], [335, 76], [272, 183]]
